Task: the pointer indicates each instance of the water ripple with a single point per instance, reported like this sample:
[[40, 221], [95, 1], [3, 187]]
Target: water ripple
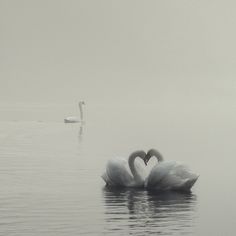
[[143, 212]]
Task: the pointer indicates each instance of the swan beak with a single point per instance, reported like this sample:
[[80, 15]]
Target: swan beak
[[146, 159], [145, 162]]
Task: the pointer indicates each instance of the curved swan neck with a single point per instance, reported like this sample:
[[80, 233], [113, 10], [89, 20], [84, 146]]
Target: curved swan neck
[[154, 152], [81, 110], [131, 160]]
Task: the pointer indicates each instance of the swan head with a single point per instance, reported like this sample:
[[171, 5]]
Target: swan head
[[139, 153], [153, 152], [142, 155]]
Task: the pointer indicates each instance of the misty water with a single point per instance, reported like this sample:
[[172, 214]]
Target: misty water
[[50, 171]]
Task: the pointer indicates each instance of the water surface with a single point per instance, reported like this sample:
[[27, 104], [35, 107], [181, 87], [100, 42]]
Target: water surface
[[50, 173]]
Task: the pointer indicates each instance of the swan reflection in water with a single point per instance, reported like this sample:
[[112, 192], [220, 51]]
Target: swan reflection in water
[[80, 133], [142, 212]]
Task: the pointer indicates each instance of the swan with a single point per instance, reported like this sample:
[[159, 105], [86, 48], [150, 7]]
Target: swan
[[75, 119], [168, 175], [123, 173]]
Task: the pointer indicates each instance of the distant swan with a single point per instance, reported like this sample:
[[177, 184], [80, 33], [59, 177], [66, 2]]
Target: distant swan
[[168, 175], [117, 173], [75, 119]]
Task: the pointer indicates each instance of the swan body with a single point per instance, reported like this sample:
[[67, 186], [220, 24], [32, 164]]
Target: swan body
[[75, 119], [168, 175], [71, 119], [122, 173]]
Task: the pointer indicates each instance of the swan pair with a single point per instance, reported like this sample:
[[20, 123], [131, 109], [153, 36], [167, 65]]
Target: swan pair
[[163, 176]]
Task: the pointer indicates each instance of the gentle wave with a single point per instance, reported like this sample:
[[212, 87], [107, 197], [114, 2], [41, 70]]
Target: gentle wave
[[139, 212]]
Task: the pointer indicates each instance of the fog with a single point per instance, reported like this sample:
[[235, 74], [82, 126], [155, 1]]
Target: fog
[[132, 52], [153, 74]]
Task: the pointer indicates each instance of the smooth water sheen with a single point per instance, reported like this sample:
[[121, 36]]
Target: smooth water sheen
[[50, 173]]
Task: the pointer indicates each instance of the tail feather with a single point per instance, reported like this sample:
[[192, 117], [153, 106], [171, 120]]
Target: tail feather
[[188, 184]]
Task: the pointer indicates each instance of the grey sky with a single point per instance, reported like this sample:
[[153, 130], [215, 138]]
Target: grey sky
[[134, 51]]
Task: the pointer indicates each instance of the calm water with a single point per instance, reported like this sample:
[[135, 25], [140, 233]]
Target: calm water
[[50, 171]]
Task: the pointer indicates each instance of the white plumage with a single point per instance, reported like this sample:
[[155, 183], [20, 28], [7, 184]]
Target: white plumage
[[169, 175], [124, 173], [75, 119]]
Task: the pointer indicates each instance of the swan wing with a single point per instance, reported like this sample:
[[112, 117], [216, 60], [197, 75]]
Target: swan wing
[[171, 176], [106, 178], [181, 178], [158, 172], [182, 171], [117, 173]]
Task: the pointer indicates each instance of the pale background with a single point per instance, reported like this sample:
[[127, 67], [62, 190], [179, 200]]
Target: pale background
[[118, 51], [153, 74]]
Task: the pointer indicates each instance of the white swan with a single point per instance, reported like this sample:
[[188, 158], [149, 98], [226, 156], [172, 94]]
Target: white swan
[[75, 119], [122, 173], [168, 175]]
